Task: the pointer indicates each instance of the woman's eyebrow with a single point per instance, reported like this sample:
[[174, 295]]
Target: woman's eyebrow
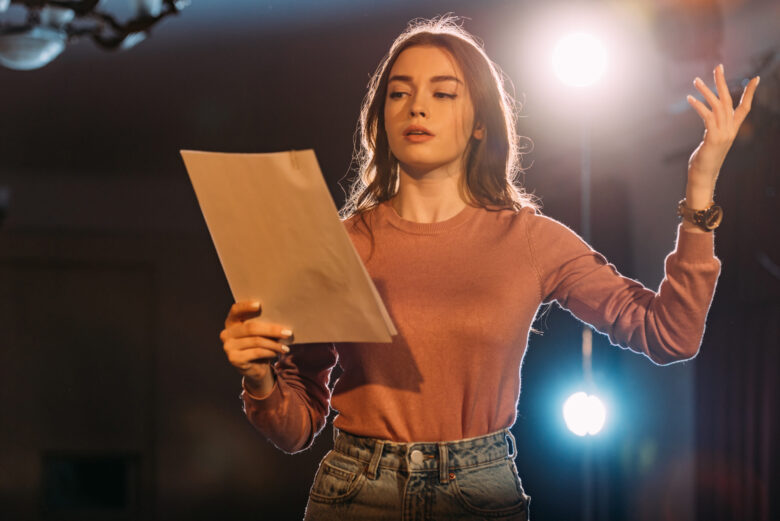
[[434, 79]]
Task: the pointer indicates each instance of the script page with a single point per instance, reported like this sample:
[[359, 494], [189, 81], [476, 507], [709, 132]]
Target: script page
[[280, 240]]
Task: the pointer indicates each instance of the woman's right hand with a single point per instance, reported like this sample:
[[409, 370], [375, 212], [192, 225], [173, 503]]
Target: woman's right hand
[[249, 344]]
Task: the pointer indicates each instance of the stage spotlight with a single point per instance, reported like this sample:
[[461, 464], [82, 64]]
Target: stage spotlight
[[579, 59], [584, 414]]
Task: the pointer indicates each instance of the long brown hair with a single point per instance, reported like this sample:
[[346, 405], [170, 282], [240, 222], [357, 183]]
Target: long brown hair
[[491, 164]]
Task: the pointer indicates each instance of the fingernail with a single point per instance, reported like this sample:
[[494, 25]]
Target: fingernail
[[758, 80], [255, 303], [696, 80], [720, 67], [286, 332], [285, 348]]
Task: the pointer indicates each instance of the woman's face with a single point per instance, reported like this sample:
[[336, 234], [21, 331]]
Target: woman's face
[[426, 88]]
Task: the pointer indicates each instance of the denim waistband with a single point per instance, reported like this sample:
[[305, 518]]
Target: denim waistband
[[438, 457]]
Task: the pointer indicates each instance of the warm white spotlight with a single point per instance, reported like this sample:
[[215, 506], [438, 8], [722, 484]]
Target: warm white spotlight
[[584, 414], [579, 59]]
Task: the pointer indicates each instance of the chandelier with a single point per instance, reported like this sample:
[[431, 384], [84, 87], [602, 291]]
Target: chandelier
[[47, 26]]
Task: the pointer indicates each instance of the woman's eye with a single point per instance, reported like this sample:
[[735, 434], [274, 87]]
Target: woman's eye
[[440, 95]]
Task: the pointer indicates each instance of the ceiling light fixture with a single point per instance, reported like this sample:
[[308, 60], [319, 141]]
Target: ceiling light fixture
[[49, 25]]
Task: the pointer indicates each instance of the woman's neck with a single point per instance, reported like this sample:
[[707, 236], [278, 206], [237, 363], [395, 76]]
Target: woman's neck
[[429, 198]]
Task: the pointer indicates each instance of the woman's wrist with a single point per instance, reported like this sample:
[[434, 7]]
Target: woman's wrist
[[698, 196], [263, 388]]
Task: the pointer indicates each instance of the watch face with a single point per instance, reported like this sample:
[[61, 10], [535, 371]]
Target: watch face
[[712, 217]]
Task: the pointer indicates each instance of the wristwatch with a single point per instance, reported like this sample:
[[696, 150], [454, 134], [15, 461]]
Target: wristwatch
[[707, 219]]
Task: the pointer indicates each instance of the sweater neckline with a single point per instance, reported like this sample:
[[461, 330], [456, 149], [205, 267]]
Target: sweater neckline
[[415, 227]]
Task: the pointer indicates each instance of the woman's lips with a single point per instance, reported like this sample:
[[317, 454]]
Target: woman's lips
[[418, 138]]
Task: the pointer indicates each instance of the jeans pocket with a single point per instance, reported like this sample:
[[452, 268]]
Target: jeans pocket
[[338, 479], [493, 489]]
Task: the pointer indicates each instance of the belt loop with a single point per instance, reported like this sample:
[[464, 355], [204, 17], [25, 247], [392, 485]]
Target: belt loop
[[373, 467], [444, 476], [508, 436]]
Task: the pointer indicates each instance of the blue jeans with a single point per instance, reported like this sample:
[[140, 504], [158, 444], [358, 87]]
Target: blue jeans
[[372, 479]]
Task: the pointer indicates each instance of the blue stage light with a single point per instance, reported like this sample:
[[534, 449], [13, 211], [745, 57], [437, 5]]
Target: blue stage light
[[584, 414]]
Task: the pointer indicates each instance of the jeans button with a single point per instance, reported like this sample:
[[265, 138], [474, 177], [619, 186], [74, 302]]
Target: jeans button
[[417, 457]]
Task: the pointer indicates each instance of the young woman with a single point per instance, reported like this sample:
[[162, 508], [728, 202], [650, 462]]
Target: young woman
[[462, 259]]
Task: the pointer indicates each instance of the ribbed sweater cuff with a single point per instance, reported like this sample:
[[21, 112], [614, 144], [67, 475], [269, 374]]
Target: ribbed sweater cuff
[[271, 401], [695, 247]]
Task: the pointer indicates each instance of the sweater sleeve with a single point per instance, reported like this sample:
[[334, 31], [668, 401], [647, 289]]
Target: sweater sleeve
[[667, 326], [295, 410]]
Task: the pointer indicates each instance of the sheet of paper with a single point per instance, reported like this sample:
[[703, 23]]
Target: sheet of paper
[[279, 238]]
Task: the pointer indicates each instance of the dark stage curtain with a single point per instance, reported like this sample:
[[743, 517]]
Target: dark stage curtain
[[737, 368]]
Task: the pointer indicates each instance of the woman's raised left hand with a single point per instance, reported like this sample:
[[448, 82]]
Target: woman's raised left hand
[[721, 123]]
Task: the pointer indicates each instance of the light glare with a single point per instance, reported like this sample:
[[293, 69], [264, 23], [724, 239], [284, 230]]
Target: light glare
[[584, 414], [579, 59]]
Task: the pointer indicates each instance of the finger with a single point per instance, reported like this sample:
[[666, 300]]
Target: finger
[[235, 331], [746, 101], [248, 355], [723, 89], [239, 311], [711, 98], [702, 110], [255, 327], [254, 342]]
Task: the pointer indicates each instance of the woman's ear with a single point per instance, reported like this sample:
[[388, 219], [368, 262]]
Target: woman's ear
[[479, 132]]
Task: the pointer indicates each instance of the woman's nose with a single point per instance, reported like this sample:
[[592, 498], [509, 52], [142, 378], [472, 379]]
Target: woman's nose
[[418, 108]]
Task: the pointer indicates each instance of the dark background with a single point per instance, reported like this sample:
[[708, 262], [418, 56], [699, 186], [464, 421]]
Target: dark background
[[116, 400]]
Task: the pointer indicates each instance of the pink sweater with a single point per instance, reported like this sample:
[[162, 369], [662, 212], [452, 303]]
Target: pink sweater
[[463, 294]]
